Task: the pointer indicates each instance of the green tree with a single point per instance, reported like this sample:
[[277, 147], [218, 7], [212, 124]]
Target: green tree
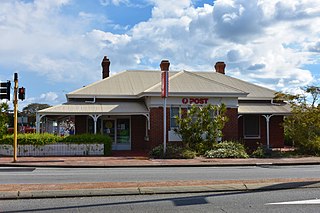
[[31, 110], [303, 126], [200, 127], [3, 118]]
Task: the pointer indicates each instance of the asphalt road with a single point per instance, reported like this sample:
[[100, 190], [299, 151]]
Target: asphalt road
[[16, 175], [300, 200]]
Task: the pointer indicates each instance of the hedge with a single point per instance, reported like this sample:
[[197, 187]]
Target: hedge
[[46, 138]]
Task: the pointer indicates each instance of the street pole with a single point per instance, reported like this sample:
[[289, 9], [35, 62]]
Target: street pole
[[15, 118], [164, 94], [164, 125]]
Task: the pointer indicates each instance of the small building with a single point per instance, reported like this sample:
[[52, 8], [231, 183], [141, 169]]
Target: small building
[[128, 107]]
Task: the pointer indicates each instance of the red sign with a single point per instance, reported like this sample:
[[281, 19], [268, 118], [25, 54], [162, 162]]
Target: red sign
[[195, 100], [164, 84]]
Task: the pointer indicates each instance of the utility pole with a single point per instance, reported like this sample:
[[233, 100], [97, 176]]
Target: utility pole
[[164, 94], [15, 118]]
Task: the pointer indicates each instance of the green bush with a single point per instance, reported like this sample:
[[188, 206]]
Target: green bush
[[86, 138], [172, 152], [90, 138], [31, 139], [310, 148], [227, 149], [188, 154], [260, 152], [46, 138]]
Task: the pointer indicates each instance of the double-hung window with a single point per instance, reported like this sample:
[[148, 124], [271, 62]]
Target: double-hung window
[[251, 126], [174, 112]]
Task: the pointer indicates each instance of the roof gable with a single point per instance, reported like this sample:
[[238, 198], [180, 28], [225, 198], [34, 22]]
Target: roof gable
[[185, 82], [137, 83], [255, 91]]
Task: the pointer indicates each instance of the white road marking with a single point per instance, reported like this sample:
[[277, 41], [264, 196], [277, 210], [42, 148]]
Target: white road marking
[[299, 202]]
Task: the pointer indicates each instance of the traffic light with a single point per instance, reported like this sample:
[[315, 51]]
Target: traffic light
[[5, 90], [22, 93]]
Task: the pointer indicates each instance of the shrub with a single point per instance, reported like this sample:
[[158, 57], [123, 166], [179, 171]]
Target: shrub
[[90, 138], [260, 152], [200, 127], [37, 139], [172, 152], [310, 148], [31, 139], [188, 154], [227, 149]]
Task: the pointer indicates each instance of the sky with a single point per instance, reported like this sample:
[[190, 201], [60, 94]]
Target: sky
[[56, 46]]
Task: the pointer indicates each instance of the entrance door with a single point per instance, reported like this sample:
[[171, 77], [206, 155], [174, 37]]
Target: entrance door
[[123, 134], [119, 132], [108, 128]]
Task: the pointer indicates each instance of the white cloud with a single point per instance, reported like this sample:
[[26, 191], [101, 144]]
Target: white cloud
[[49, 96], [266, 42], [114, 2]]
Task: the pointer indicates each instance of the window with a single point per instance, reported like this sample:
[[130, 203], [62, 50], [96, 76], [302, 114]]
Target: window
[[251, 126], [174, 111]]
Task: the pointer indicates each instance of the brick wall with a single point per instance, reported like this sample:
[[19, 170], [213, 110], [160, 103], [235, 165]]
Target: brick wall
[[276, 133], [230, 130], [156, 126]]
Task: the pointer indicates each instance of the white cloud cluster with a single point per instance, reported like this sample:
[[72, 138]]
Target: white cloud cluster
[[114, 2], [262, 41]]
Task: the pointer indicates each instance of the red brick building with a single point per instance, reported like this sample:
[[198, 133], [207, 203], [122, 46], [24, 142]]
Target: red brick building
[[128, 107]]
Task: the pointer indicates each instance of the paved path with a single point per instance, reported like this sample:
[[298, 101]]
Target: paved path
[[13, 191], [142, 161]]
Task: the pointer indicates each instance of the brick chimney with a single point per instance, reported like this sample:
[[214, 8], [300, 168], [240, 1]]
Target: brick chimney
[[105, 67], [164, 65], [220, 66]]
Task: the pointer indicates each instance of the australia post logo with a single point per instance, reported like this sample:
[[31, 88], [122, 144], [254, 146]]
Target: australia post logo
[[194, 100]]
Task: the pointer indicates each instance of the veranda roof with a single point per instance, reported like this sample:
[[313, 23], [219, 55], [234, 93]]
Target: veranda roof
[[105, 108], [264, 108]]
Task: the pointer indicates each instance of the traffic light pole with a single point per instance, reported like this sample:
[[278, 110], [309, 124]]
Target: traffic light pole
[[15, 118]]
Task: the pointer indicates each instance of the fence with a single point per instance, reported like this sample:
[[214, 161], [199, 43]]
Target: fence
[[61, 149]]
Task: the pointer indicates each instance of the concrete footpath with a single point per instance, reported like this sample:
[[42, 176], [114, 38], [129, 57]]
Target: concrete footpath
[[24, 191]]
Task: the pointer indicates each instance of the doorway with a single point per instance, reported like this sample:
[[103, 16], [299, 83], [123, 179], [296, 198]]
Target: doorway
[[118, 129]]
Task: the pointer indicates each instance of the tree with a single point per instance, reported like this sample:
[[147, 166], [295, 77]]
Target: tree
[[31, 110], [3, 118], [200, 127], [303, 126]]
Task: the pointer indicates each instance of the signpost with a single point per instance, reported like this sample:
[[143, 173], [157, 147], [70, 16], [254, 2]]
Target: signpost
[[5, 88], [164, 94], [15, 118]]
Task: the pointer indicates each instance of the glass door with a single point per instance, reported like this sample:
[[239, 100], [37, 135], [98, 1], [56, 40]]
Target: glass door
[[123, 131], [118, 129], [108, 128]]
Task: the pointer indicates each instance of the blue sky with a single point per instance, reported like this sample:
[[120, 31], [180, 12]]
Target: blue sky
[[56, 46]]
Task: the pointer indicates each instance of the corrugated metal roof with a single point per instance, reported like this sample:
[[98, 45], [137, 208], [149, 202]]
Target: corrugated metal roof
[[255, 91], [128, 83], [264, 108], [187, 82], [136, 83], [106, 108]]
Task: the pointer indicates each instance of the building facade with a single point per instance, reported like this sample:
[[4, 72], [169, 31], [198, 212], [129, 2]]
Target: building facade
[[128, 107]]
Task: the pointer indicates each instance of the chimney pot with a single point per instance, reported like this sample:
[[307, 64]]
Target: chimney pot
[[220, 67], [164, 65], [105, 67]]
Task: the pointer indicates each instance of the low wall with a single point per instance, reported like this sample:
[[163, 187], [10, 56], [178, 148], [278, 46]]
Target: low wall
[[61, 149]]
